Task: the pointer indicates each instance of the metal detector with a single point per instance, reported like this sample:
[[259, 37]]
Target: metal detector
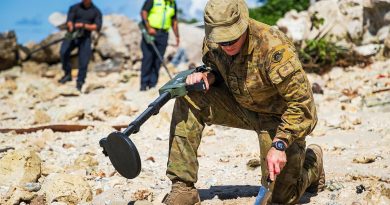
[[118, 146]]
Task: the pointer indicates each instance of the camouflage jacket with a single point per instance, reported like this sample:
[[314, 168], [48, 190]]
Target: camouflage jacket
[[267, 77]]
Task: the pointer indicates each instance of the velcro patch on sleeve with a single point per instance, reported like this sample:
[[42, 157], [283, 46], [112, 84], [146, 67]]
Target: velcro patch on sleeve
[[282, 64], [286, 69], [278, 74], [275, 77]]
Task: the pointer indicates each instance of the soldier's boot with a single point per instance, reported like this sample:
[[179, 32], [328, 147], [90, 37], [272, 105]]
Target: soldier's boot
[[314, 159], [79, 86], [182, 194], [65, 78]]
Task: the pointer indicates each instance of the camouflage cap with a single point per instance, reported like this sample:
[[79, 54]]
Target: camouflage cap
[[225, 20]]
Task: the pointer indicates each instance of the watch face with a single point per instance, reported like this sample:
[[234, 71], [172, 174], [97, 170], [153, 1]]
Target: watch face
[[280, 145]]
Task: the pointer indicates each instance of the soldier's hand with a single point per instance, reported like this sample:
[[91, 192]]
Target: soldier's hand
[[70, 26], [196, 78], [275, 160], [177, 41], [78, 25], [152, 31]]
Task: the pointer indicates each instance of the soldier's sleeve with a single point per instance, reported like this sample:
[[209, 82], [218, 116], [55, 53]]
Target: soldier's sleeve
[[208, 61], [98, 20], [148, 5], [286, 74], [71, 14]]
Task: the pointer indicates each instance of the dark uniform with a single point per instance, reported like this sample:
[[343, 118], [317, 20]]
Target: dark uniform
[[78, 13], [150, 61]]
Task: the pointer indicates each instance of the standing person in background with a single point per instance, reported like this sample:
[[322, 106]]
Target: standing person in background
[[85, 17], [158, 17]]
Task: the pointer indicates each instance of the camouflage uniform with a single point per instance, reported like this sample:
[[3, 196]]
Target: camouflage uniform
[[264, 89]]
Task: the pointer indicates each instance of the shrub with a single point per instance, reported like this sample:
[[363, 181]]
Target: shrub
[[320, 55]]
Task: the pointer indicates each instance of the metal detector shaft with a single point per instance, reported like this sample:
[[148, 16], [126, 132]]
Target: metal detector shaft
[[70, 35], [174, 88], [152, 109], [161, 58], [45, 46]]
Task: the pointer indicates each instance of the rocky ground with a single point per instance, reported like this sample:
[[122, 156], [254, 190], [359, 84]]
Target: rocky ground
[[69, 167]]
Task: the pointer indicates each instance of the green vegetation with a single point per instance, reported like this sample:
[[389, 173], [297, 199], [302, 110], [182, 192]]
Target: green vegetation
[[320, 55], [275, 9], [183, 20], [188, 21], [316, 21]]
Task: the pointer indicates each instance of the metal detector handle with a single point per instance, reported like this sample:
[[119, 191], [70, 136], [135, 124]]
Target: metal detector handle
[[148, 38], [77, 33], [201, 86]]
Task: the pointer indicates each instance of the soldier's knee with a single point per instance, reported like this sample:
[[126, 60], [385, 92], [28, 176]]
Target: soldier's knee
[[192, 100]]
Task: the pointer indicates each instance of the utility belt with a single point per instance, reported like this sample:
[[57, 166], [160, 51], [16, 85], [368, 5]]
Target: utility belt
[[161, 30]]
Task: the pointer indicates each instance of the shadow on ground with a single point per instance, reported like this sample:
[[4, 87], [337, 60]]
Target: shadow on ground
[[239, 191], [228, 192]]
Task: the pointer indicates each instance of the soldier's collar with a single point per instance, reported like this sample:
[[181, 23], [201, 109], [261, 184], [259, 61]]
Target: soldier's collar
[[249, 43]]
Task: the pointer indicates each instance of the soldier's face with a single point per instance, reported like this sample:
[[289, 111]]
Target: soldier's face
[[87, 2], [234, 48]]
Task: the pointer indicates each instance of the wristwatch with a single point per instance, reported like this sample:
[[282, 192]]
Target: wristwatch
[[279, 145]]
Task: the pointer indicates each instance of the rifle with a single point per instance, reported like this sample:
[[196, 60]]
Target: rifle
[[118, 146], [150, 40], [78, 33]]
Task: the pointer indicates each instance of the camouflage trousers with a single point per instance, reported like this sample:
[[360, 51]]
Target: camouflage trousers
[[218, 106]]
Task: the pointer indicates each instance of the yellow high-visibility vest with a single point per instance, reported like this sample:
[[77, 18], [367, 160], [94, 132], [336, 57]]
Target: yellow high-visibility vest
[[160, 16]]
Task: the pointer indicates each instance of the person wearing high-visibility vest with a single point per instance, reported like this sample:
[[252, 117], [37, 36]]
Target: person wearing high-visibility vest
[[158, 17]]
